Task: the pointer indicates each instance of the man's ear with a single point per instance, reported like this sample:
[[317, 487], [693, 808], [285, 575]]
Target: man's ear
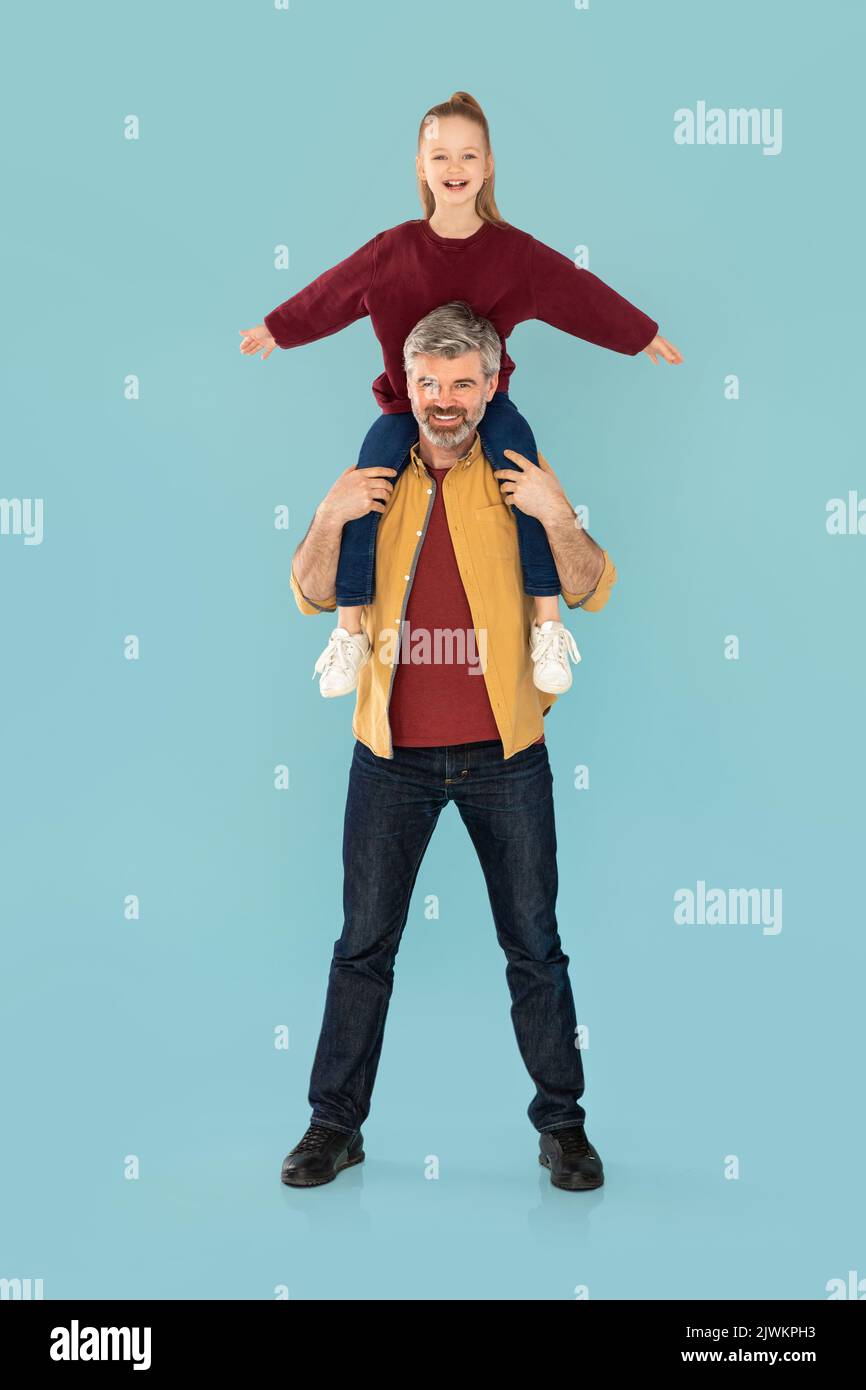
[[491, 386]]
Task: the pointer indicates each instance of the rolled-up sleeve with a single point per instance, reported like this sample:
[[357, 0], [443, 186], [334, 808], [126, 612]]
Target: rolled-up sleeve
[[597, 597], [308, 605]]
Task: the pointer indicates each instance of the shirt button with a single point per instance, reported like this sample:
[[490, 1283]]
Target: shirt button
[[429, 490], [417, 533], [405, 576]]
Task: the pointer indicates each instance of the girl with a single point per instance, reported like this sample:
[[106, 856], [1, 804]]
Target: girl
[[462, 249]]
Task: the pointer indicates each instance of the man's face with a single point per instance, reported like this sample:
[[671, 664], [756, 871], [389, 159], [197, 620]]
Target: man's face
[[449, 396]]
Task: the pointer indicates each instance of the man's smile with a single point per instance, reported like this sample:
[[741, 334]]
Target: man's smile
[[445, 416]]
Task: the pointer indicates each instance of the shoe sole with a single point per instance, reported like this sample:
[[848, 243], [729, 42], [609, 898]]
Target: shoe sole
[[575, 1184], [291, 1181], [561, 691]]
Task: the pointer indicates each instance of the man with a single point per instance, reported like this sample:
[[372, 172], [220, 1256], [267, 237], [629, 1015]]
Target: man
[[467, 730]]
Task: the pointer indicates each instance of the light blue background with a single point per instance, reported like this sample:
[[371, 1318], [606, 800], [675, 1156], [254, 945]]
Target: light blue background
[[155, 777]]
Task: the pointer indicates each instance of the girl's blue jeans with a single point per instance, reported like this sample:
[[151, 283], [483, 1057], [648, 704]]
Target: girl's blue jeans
[[388, 443]]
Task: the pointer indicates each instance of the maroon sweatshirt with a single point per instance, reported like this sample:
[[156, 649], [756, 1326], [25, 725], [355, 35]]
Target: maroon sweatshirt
[[505, 274]]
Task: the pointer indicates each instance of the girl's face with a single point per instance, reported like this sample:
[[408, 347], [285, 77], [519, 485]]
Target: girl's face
[[453, 160]]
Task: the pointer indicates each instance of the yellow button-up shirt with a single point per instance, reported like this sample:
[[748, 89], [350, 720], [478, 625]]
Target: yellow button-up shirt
[[484, 535]]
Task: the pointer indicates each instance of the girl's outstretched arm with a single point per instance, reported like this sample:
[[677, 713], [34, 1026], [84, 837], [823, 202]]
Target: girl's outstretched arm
[[579, 303], [331, 302]]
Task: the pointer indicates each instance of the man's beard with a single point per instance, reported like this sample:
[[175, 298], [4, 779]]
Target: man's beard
[[451, 438]]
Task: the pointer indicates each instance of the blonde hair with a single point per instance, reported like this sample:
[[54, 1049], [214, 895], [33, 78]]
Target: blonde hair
[[459, 104]]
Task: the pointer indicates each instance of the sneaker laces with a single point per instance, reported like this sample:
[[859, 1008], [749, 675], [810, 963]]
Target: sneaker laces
[[573, 1140], [554, 644], [336, 654], [316, 1137]]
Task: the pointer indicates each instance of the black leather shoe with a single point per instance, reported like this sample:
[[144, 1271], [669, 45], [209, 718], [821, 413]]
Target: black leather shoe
[[574, 1164], [321, 1155]]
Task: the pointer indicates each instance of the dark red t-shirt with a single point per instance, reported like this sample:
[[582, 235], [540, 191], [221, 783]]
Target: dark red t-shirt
[[440, 696]]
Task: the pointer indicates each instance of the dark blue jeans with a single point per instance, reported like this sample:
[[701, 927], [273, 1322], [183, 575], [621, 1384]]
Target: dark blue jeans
[[387, 444], [391, 812]]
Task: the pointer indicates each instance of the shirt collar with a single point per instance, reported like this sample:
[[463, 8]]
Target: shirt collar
[[465, 459]]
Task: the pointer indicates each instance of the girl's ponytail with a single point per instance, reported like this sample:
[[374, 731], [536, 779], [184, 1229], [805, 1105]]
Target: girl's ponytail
[[459, 104], [466, 100]]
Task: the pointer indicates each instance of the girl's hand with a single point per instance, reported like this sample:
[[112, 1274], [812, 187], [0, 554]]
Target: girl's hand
[[254, 339], [660, 347]]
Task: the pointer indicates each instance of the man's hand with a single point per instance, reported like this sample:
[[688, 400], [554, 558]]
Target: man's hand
[[356, 492], [254, 339], [660, 347], [536, 491]]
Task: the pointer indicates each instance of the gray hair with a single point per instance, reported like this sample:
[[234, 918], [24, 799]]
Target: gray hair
[[450, 331]]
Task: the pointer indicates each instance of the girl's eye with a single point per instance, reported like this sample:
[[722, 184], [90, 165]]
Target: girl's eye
[[470, 156]]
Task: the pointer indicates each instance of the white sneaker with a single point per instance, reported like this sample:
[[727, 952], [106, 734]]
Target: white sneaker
[[551, 645], [340, 662]]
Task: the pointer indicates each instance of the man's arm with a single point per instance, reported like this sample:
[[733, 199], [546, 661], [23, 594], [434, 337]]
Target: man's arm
[[314, 566], [586, 572], [580, 562]]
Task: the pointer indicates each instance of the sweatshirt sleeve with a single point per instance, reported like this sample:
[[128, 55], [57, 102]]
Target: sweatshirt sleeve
[[576, 301], [334, 300]]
